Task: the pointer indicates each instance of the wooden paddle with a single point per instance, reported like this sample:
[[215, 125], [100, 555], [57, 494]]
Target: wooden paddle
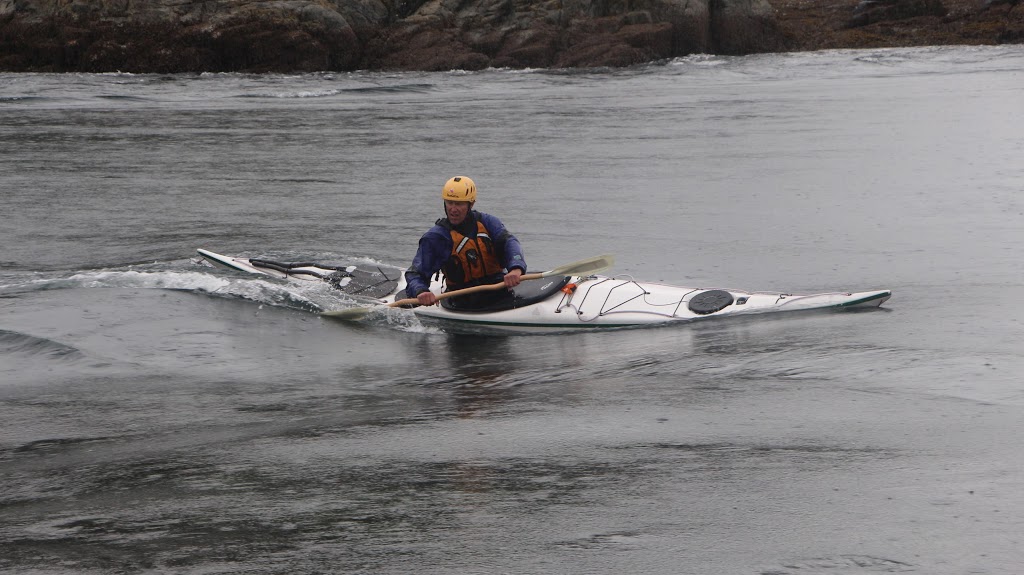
[[583, 267]]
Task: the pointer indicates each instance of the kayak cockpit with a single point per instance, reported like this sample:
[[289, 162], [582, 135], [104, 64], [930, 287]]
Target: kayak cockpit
[[526, 293]]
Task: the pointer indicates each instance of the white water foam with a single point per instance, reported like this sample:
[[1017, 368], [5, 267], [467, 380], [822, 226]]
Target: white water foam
[[314, 297]]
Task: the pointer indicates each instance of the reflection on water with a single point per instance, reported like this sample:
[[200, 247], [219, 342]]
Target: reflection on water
[[477, 371]]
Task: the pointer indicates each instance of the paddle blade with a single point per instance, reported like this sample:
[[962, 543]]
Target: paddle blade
[[584, 267], [349, 314]]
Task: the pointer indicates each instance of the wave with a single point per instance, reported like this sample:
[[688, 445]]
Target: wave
[[402, 88], [292, 95], [22, 99], [315, 297], [329, 92], [309, 296], [132, 279], [704, 60], [122, 98], [13, 342]]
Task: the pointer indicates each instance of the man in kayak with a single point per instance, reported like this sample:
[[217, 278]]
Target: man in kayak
[[470, 247]]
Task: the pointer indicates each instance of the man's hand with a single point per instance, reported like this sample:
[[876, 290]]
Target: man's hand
[[427, 298], [512, 278]]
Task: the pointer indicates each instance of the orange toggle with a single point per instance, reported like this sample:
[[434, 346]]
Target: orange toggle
[[569, 289]]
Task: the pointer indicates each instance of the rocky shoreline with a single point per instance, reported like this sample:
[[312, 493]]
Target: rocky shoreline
[[167, 36]]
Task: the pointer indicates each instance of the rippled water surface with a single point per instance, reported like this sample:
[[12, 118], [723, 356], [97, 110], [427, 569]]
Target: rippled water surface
[[161, 416]]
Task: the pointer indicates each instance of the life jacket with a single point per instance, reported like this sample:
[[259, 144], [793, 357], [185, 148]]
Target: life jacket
[[473, 259]]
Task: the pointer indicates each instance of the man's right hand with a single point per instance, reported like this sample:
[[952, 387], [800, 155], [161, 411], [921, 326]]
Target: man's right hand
[[427, 298]]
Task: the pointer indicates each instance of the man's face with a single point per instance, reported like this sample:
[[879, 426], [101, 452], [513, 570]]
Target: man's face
[[456, 211]]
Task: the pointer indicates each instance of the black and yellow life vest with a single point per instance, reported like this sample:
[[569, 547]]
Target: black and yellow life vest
[[473, 259]]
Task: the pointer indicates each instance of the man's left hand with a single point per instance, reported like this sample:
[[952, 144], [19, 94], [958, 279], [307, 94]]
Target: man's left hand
[[512, 278]]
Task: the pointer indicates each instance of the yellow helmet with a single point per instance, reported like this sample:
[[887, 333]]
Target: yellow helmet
[[459, 189]]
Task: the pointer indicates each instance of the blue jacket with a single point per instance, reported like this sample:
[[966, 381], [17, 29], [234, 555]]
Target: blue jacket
[[436, 247]]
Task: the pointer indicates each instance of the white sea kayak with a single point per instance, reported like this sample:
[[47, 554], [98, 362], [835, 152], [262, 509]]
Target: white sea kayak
[[559, 302]]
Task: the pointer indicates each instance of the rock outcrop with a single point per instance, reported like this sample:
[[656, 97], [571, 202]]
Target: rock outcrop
[[312, 35], [818, 24]]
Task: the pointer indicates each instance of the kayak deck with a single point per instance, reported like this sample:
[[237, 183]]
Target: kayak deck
[[621, 301]]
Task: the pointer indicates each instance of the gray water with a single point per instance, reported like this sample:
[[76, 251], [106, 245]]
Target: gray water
[[161, 416]]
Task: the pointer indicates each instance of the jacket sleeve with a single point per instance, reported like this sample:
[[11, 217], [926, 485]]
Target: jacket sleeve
[[430, 256], [512, 252]]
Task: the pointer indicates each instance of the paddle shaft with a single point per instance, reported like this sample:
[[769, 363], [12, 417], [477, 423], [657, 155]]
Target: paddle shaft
[[583, 267], [469, 290]]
